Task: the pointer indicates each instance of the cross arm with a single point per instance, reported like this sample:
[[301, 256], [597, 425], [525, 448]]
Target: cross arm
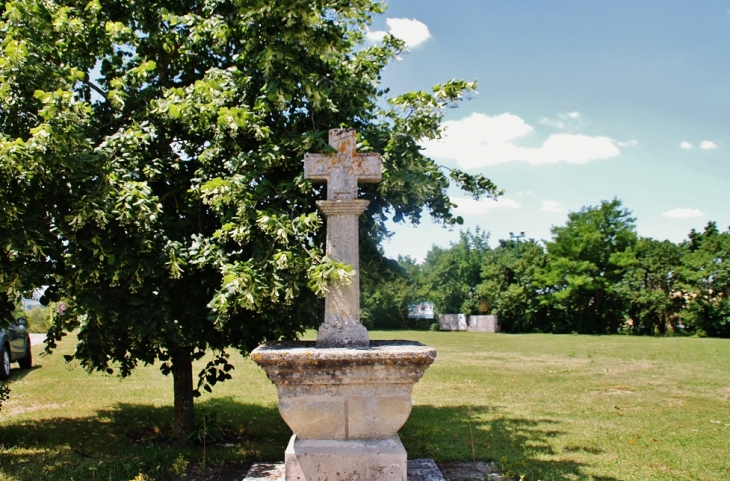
[[370, 168], [317, 167]]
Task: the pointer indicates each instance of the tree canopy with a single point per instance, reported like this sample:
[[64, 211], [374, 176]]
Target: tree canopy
[[651, 286], [151, 172], [508, 285], [595, 276], [584, 268], [704, 277], [450, 276]]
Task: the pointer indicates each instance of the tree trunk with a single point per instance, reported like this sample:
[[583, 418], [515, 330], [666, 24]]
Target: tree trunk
[[184, 416]]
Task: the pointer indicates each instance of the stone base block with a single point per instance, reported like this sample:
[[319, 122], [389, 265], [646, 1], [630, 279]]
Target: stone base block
[[418, 470], [351, 460]]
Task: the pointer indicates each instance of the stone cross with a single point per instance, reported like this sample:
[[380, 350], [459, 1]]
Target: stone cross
[[342, 171]]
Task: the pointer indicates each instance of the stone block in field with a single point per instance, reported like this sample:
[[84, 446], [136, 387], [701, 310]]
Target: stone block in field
[[483, 323], [452, 322]]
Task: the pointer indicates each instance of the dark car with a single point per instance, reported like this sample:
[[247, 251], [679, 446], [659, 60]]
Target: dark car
[[14, 346]]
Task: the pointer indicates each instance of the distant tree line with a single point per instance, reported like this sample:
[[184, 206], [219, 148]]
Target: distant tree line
[[596, 276]]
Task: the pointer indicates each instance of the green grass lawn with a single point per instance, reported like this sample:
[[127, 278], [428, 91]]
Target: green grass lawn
[[545, 407]]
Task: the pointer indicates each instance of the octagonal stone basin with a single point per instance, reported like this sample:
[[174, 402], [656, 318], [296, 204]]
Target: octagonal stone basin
[[344, 393]]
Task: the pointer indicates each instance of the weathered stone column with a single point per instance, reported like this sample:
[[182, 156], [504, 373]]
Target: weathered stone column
[[342, 327]]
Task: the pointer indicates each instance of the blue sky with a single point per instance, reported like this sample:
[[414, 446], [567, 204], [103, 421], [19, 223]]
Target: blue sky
[[578, 102]]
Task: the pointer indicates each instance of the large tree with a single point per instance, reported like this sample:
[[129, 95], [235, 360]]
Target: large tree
[[151, 174], [509, 286], [651, 286], [387, 291], [450, 275], [704, 280], [585, 265]]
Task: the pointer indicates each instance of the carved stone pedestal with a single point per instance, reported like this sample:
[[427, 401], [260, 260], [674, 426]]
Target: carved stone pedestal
[[361, 459], [345, 406]]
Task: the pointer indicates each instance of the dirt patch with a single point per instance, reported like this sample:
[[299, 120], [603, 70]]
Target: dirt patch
[[13, 409], [724, 393]]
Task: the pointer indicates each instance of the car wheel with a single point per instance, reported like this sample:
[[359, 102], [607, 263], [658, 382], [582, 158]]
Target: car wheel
[[4, 363], [27, 361]]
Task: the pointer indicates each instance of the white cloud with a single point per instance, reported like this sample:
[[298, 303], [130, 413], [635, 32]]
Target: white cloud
[[705, 145], [412, 32], [480, 140], [471, 206], [683, 213], [552, 123], [559, 123], [375, 36], [628, 143], [551, 206]]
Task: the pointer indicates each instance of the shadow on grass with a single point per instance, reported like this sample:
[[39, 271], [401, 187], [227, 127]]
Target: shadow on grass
[[519, 447], [124, 422], [120, 442], [17, 374]]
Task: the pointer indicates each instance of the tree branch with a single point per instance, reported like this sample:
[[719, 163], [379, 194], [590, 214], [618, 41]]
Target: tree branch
[[95, 87]]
